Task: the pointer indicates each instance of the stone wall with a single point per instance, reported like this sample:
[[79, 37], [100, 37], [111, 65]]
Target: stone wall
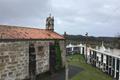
[[42, 56], [63, 52], [13, 60]]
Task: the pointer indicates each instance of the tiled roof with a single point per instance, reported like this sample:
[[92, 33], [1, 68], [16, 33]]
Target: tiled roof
[[15, 32]]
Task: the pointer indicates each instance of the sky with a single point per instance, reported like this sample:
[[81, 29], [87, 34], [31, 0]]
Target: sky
[[97, 17]]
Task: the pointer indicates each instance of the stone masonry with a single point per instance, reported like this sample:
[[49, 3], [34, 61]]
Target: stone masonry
[[14, 58]]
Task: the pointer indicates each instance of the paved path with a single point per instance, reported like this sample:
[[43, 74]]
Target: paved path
[[73, 70]]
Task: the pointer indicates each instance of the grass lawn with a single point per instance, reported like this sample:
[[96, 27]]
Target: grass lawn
[[89, 72]]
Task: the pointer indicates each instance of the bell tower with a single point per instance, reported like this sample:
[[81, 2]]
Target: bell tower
[[50, 23]]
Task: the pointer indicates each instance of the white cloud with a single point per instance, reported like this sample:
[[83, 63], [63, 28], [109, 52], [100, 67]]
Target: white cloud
[[72, 16]]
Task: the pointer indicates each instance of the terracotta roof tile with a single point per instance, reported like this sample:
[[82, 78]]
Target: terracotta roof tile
[[15, 32]]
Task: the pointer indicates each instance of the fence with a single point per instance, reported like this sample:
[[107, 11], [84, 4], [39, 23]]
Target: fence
[[105, 61]]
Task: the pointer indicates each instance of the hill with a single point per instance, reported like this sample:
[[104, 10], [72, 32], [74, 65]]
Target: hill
[[112, 42]]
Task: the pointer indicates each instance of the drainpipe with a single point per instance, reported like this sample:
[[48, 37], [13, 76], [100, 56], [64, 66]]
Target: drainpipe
[[66, 70], [66, 61]]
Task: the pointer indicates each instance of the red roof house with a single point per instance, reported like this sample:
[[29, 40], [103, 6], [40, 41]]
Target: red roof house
[[26, 52]]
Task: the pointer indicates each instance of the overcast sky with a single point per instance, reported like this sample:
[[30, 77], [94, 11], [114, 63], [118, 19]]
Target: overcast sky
[[97, 17]]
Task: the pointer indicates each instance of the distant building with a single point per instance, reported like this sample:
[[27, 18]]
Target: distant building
[[27, 52]]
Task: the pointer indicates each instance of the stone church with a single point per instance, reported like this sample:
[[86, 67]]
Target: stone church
[[26, 52]]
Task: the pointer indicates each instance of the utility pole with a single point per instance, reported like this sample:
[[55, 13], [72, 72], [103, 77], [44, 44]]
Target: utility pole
[[66, 60], [86, 35]]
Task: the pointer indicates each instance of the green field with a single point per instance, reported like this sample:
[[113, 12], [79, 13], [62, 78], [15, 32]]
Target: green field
[[89, 72]]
